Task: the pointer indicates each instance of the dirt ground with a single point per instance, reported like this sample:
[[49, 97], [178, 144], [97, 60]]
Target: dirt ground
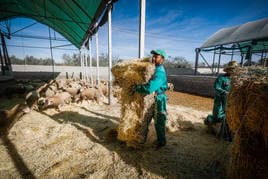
[[189, 100], [80, 142]]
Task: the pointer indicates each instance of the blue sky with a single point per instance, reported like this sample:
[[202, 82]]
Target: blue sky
[[177, 26]]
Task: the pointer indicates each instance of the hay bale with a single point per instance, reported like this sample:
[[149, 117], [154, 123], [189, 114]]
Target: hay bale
[[249, 157], [247, 116], [135, 108], [178, 122]]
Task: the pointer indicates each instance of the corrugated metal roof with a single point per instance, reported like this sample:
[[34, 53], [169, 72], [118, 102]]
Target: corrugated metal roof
[[249, 31]]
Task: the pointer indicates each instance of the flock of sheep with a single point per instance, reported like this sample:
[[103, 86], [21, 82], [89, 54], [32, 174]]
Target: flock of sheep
[[53, 94], [64, 91]]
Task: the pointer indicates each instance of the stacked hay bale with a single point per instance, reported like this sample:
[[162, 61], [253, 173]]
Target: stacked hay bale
[[247, 116], [136, 108]]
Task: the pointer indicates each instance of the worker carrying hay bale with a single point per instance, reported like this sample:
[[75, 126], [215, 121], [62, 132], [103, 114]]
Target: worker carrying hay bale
[[139, 80], [247, 117]]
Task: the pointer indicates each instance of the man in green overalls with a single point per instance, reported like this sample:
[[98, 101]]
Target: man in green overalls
[[221, 89], [157, 84]]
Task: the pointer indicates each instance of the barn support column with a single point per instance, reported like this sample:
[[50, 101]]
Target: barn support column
[[142, 28], [97, 59], [5, 61], [213, 62], [197, 51], [110, 52], [219, 61]]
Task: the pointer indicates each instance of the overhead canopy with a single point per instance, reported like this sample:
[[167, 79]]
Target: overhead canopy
[[74, 19], [253, 34]]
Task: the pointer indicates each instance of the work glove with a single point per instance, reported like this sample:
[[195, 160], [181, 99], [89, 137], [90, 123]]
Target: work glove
[[226, 93], [138, 88]]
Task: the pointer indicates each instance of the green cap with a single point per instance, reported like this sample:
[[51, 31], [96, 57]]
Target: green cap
[[159, 52]]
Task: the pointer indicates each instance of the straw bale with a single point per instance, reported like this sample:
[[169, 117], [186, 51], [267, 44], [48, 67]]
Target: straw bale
[[247, 101], [178, 122], [133, 72], [136, 108], [249, 157], [247, 117]]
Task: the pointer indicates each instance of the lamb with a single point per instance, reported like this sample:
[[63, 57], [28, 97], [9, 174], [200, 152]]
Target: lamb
[[90, 94], [75, 93], [31, 99], [103, 89], [72, 91], [170, 87], [57, 100]]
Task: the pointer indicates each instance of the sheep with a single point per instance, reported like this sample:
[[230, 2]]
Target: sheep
[[31, 99], [170, 87], [89, 94], [57, 100]]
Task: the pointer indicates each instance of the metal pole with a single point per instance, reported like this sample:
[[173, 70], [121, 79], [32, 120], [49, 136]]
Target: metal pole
[[142, 28], [86, 64], [232, 57], [83, 61], [242, 60], [7, 61], [205, 61], [262, 60], [97, 58], [219, 61], [213, 61], [197, 51], [82, 64], [265, 59], [90, 62], [51, 52], [250, 56], [110, 53], [2, 63]]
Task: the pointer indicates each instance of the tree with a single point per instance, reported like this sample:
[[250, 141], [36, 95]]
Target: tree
[[177, 62], [73, 60], [15, 60]]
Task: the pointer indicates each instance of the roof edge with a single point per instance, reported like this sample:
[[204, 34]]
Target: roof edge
[[208, 44], [246, 40], [98, 13]]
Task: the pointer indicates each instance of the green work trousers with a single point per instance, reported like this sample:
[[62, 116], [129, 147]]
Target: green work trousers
[[218, 110], [160, 117]]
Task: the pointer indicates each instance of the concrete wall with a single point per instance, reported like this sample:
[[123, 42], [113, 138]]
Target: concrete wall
[[190, 71], [61, 70], [179, 71], [200, 85]]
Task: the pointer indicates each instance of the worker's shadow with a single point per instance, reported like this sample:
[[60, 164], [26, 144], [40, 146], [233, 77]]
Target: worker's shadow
[[102, 132], [163, 162], [18, 161]]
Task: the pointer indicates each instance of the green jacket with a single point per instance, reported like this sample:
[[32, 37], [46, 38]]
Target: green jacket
[[158, 83], [222, 85]]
